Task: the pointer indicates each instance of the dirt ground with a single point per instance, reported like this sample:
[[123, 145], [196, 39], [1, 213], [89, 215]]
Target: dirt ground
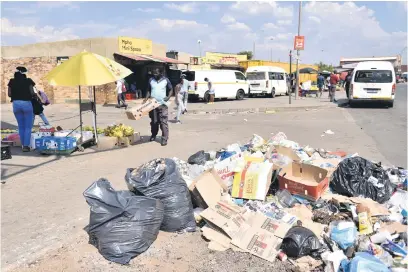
[[171, 252]]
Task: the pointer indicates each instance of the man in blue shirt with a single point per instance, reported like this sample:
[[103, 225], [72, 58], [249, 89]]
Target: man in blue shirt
[[320, 84], [157, 89]]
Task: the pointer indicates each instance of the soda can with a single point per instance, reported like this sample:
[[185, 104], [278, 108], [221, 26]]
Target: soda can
[[282, 256]]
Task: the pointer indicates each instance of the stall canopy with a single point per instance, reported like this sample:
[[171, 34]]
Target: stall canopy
[[150, 58]]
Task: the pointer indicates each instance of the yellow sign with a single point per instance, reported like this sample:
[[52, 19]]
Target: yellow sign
[[222, 58], [135, 46]]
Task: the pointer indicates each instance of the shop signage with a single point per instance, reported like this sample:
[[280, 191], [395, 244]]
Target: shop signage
[[222, 58], [299, 43], [130, 45], [195, 61]]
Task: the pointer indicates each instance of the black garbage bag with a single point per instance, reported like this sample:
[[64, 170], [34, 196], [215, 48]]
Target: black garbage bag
[[199, 158], [160, 179], [300, 241], [121, 225], [359, 177]]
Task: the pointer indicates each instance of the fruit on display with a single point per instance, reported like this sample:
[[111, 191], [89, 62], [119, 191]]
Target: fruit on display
[[98, 130], [119, 131]]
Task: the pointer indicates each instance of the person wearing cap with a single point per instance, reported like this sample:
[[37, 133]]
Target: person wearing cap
[[21, 91], [157, 89]]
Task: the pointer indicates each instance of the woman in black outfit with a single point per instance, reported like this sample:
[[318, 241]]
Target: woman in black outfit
[[21, 92]]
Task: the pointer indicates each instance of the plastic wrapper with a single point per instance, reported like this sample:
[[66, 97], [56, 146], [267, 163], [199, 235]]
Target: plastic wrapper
[[344, 233], [160, 179], [122, 225], [199, 158], [300, 241], [359, 177], [363, 262], [256, 141], [277, 138]]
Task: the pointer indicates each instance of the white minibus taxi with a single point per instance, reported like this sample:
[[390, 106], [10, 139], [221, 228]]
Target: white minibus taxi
[[269, 80], [373, 80], [229, 84]]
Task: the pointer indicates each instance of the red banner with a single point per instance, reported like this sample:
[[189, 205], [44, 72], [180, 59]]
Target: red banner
[[299, 43]]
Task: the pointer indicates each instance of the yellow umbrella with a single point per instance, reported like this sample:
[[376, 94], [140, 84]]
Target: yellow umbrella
[[86, 69]]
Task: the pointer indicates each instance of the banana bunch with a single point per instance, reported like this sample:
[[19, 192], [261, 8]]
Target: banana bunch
[[98, 130], [119, 131]]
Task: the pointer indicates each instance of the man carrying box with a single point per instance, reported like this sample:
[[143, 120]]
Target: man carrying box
[[157, 88]]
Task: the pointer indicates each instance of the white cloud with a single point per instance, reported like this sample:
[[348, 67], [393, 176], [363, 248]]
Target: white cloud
[[40, 34], [237, 26], [191, 7], [269, 26], [281, 37], [314, 19], [167, 24], [257, 7], [50, 5], [284, 22], [148, 10], [227, 19], [20, 11]]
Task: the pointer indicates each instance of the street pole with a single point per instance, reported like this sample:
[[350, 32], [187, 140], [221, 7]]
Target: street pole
[[297, 60], [290, 74]]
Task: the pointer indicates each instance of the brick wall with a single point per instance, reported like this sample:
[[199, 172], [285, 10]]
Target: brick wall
[[37, 68]]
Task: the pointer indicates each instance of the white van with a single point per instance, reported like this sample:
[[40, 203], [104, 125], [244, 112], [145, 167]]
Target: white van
[[230, 84], [269, 80], [373, 80]]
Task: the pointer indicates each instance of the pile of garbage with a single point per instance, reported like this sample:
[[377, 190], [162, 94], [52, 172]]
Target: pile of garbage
[[270, 198]]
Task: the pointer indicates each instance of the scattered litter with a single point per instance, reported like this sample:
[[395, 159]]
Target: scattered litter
[[329, 132]]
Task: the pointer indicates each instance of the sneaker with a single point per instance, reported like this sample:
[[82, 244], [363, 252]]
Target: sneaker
[[153, 138], [163, 142], [185, 111], [178, 122], [26, 149]]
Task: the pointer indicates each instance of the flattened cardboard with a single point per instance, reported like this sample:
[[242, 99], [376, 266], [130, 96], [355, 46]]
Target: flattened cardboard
[[253, 182], [225, 217], [258, 220], [106, 143], [212, 235], [142, 110], [288, 152], [258, 242], [227, 167], [206, 190], [305, 180]]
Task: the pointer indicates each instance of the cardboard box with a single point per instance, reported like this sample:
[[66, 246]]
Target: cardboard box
[[225, 218], [141, 110], [288, 152], [127, 141], [258, 220], [206, 190], [106, 143], [227, 168], [253, 182], [322, 162], [258, 242], [305, 180]]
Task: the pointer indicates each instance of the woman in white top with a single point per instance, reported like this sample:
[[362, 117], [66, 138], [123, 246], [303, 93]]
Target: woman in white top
[[121, 95]]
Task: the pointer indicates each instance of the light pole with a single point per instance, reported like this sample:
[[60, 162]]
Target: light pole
[[271, 50], [199, 46], [297, 59]]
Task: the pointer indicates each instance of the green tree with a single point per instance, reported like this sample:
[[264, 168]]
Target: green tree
[[324, 67], [248, 53]]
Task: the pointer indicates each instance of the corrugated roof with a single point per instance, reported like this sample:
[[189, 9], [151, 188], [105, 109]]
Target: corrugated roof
[[151, 58]]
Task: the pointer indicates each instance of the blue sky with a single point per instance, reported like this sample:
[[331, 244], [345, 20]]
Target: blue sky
[[332, 29]]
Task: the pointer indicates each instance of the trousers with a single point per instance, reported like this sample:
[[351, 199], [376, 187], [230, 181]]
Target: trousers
[[23, 111], [43, 118], [159, 118], [121, 98], [180, 105], [332, 93]]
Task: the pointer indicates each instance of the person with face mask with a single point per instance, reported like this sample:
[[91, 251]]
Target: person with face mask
[[21, 91], [157, 89]]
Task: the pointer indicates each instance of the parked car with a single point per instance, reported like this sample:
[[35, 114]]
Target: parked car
[[373, 80], [267, 80], [229, 84]]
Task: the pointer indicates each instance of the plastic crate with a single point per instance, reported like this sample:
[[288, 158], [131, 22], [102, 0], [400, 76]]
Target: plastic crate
[[53, 144], [5, 152], [130, 96]]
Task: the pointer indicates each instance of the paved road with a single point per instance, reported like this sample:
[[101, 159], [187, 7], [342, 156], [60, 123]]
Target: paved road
[[387, 126]]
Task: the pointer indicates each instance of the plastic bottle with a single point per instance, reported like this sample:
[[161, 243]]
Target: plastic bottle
[[286, 199]]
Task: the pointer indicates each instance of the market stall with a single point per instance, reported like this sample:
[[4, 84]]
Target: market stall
[[84, 70]]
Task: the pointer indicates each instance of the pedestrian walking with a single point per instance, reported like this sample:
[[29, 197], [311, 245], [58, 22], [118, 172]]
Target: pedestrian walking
[[320, 84], [21, 92], [334, 79], [121, 90], [157, 89], [185, 87], [38, 102], [348, 83], [178, 93], [211, 90]]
